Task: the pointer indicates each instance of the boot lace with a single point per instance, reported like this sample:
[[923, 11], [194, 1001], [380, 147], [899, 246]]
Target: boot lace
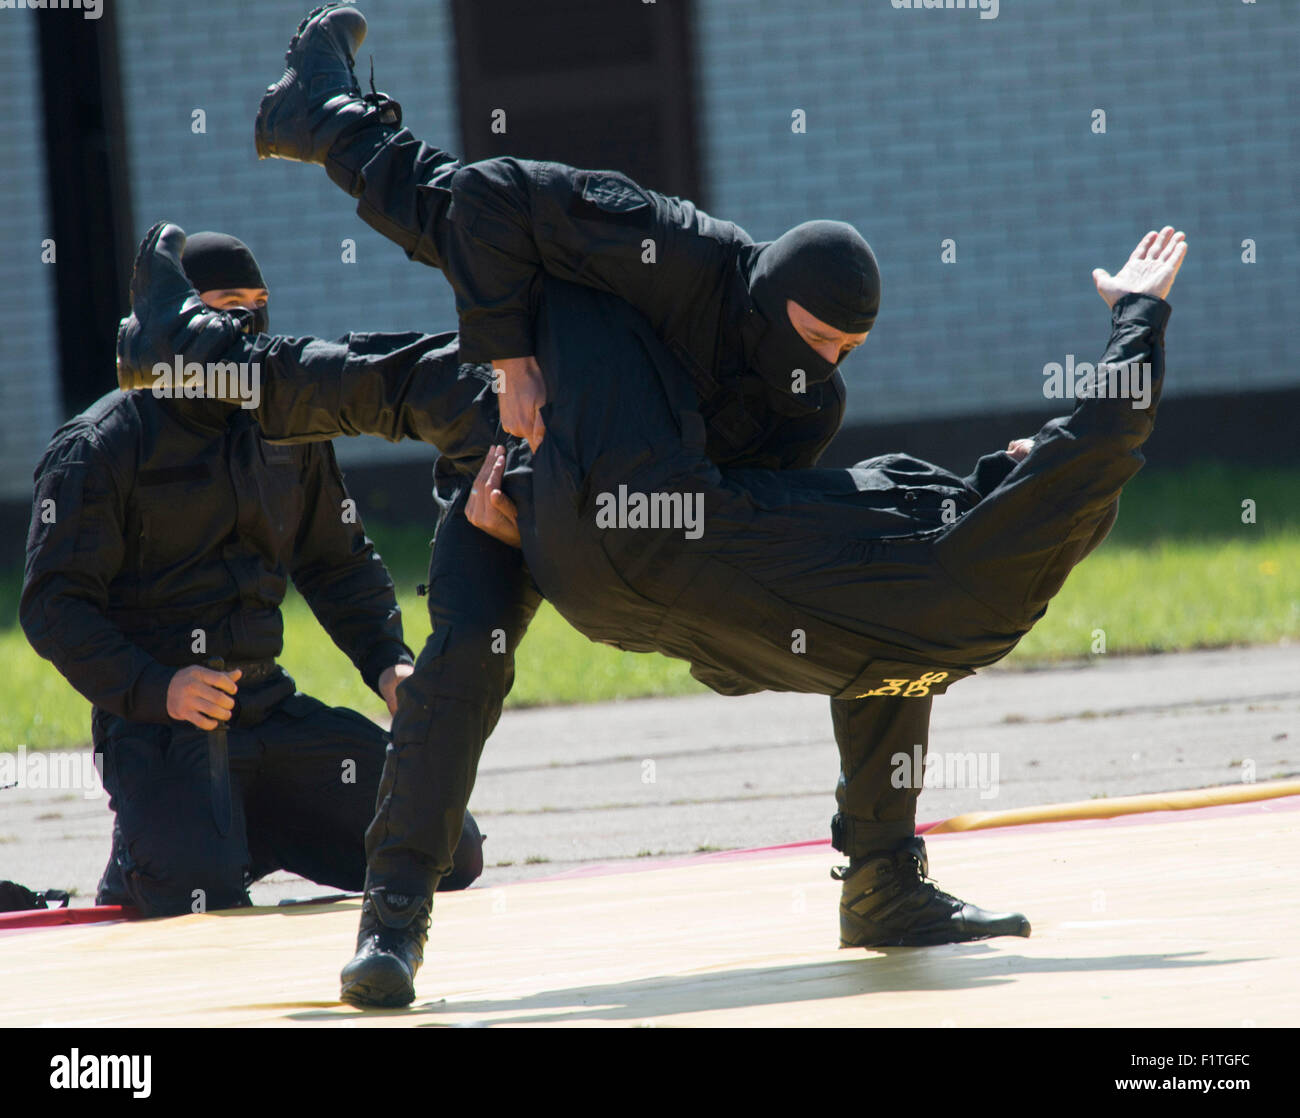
[[390, 112]]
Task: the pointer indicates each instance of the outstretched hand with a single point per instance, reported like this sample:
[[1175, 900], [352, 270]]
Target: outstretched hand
[[1150, 270], [488, 508]]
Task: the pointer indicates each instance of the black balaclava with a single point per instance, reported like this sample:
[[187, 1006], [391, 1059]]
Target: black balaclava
[[216, 261], [829, 270]]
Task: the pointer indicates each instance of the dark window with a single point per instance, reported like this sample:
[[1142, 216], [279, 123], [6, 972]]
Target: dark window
[[89, 198], [603, 84]]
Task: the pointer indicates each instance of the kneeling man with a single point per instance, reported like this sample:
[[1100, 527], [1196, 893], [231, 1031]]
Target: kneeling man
[[163, 536]]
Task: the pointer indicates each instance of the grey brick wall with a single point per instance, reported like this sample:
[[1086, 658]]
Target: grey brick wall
[[930, 124], [291, 215], [922, 125], [29, 373]]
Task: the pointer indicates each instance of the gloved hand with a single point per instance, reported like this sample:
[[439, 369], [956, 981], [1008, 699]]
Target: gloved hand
[[168, 319]]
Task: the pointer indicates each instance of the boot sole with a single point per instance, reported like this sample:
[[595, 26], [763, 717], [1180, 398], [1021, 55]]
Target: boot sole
[[265, 109], [261, 127], [384, 984], [939, 937]]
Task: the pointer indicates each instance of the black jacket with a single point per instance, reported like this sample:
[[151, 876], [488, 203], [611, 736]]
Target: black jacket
[[154, 519], [688, 273]]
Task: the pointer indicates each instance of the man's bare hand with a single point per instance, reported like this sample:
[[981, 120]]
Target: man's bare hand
[[1019, 448], [389, 681], [523, 392], [202, 696], [1149, 271], [488, 508]]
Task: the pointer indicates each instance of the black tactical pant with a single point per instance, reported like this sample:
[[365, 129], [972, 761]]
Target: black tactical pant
[[481, 600], [303, 781]]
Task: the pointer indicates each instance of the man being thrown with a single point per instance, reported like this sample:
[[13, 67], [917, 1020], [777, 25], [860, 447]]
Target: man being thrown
[[163, 534]]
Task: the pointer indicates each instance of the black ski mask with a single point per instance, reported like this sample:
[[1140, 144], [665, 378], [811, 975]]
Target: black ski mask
[[829, 270], [215, 261]]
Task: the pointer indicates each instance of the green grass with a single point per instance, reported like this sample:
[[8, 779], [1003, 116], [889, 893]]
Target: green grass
[[1179, 571], [1172, 595]]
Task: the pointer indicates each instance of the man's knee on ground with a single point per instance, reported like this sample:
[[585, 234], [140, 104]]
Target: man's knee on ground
[[168, 878], [468, 866]]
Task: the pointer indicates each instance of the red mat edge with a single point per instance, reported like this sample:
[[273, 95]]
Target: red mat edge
[[55, 917], [1284, 803], [98, 914]]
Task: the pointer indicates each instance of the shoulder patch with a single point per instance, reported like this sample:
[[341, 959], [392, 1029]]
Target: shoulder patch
[[613, 193]]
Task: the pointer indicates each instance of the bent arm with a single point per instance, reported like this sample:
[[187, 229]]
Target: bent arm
[[494, 225], [74, 550], [512, 219]]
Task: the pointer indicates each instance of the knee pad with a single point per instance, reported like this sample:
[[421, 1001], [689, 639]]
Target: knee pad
[[183, 880], [468, 864]]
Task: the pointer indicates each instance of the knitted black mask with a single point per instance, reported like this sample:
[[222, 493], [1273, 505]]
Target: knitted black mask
[[217, 261], [829, 270]]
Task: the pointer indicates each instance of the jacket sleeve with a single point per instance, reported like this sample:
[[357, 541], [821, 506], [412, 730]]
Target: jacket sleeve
[[75, 548], [396, 386], [990, 472], [343, 579], [511, 219]]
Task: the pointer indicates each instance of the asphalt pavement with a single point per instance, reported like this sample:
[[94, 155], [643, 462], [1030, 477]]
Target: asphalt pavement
[[561, 787]]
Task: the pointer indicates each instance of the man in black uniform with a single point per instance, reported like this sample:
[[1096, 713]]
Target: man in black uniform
[[761, 329], [162, 536], [890, 580]]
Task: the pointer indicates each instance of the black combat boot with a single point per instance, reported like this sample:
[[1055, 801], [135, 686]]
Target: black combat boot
[[112, 884], [318, 100], [887, 902], [167, 316], [390, 949]]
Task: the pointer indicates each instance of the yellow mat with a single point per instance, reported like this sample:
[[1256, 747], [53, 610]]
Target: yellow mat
[[1187, 920]]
